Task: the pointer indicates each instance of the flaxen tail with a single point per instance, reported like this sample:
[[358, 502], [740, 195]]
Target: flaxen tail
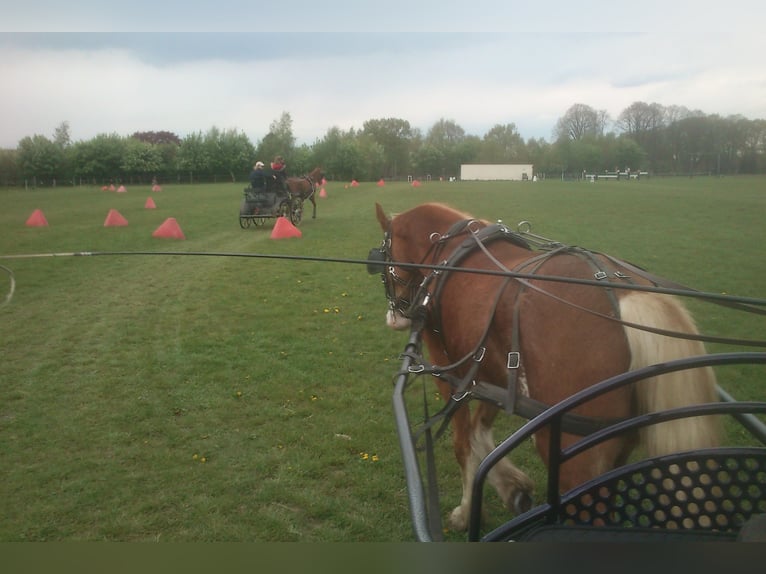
[[672, 389]]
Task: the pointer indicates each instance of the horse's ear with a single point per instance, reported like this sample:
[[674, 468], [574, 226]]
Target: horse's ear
[[382, 217]]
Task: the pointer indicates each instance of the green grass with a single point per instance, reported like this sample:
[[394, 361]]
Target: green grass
[[120, 374]]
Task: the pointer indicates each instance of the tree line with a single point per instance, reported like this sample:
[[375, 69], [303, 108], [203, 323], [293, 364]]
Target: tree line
[[646, 137]]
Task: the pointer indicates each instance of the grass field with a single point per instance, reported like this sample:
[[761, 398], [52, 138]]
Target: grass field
[[180, 398]]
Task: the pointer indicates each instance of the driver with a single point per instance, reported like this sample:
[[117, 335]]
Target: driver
[[258, 176]]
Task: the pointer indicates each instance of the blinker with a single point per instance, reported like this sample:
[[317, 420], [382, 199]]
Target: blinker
[[376, 261]]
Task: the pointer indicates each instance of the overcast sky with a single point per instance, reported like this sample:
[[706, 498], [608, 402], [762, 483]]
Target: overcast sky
[[175, 66]]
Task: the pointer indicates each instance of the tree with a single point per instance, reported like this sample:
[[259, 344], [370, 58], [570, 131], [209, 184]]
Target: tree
[[640, 118], [448, 137], [228, 151], [502, 144], [61, 135], [581, 121], [393, 135], [141, 159], [40, 159], [194, 155], [99, 159], [9, 167], [279, 140], [157, 138]]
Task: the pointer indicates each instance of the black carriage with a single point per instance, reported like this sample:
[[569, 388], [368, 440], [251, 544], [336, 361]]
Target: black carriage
[[272, 201], [716, 494]]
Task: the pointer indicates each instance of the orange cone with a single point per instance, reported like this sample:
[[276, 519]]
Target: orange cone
[[169, 229], [284, 229], [115, 219], [111, 187], [121, 189], [322, 193], [149, 203], [37, 219], [354, 183], [381, 183], [156, 187], [416, 183]]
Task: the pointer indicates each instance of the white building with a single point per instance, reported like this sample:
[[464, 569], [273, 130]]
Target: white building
[[496, 171]]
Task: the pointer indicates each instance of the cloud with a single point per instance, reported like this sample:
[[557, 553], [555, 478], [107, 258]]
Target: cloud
[[184, 83]]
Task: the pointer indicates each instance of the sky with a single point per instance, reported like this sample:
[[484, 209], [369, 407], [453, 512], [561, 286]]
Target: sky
[[152, 66]]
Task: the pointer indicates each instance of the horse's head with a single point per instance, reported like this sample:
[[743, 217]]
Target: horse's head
[[409, 239], [316, 175]]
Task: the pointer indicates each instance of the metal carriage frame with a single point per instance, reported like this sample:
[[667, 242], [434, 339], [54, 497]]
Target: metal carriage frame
[[269, 203], [707, 495]]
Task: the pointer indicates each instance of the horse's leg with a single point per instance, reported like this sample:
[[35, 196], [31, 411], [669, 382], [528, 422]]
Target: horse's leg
[[314, 203], [461, 444], [473, 441], [512, 485]]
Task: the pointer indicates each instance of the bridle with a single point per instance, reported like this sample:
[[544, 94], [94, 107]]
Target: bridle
[[379, 261]]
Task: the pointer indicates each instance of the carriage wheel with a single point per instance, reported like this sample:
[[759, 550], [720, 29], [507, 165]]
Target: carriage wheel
[[259, 220], [296, 212], [244, 222], [284, 209]]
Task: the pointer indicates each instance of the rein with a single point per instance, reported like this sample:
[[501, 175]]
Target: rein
[[422, 301]]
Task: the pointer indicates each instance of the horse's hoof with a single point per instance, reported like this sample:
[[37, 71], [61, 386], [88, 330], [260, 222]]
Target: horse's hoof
[[522, 502], [458, 520]]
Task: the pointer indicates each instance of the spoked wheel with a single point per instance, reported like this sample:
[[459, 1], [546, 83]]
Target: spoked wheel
[[244, 221], [259, 220], [284, 209], [296, 211]]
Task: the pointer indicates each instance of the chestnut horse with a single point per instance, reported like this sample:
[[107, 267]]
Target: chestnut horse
[[306, 186], [548, 339]]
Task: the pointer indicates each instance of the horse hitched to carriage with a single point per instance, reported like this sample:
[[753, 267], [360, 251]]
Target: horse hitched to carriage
[[604, 366]]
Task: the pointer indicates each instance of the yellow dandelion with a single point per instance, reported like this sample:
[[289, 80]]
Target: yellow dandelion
[[375, 458], [195, 456], [314, 398], [203, 460], [326, 310]]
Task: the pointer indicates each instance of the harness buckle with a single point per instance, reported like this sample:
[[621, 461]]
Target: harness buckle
[[599, 275], [478, 356], [514, 360], [621, 275], [464, 394]]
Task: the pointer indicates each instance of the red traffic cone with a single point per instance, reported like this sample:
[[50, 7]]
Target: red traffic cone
[[169, 229], [381, 183], [149, 203], [156, 187], [284, 229], [121, 189], [322, 193], [37, 219], [115, 219]]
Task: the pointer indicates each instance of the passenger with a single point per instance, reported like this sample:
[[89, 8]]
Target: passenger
[[279, 169], [258, 176]]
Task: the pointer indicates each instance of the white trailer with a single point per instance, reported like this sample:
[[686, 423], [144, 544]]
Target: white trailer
[[496, 171]]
